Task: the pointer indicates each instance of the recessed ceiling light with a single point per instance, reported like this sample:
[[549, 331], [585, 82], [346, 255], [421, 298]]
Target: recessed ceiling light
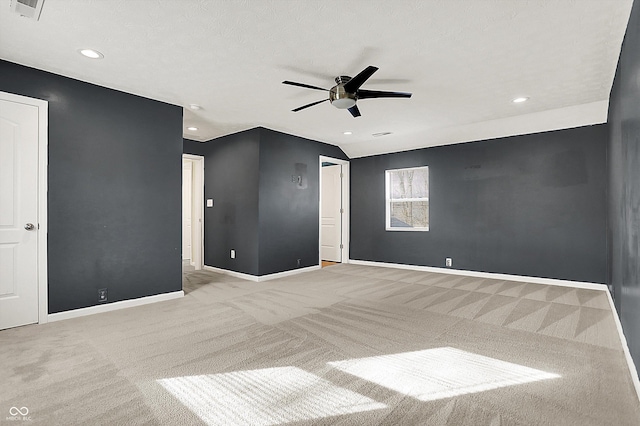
[[193, 129], [520, 100], [90, 53], [195, 107], [347, 133]]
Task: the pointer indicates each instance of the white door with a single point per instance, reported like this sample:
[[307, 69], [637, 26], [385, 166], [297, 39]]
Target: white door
[[331, 231], [196, 209], [187, 175], [18, 214]]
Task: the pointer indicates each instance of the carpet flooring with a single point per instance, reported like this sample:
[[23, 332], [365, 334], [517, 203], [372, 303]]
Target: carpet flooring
[[342, 345]]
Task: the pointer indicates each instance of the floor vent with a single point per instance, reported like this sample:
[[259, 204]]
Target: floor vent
[[27, 8]]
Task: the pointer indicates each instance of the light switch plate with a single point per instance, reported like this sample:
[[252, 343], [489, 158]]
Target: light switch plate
[[210, 202]]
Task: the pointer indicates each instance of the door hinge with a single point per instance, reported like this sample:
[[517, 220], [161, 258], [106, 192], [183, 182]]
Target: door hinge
[[341, 210], [341, 246]]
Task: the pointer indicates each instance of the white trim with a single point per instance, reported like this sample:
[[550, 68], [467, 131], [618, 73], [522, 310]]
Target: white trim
[[235, 274], [416, 229], [260, 278], [346, 199], [625, 348], [490, 275], [98, 309], [197, 202], [288, 273], [43, 160], [389, 200], [43, 229], [344, 255]]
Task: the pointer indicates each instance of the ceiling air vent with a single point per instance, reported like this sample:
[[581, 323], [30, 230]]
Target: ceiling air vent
[[27, 8]]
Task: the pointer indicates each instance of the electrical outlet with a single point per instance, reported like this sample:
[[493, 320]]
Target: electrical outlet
[[233, 254], [448, 262], [102, 295]]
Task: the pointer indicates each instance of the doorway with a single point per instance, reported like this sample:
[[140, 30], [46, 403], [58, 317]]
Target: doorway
[[334, 203], [23, 210], [192, 211]]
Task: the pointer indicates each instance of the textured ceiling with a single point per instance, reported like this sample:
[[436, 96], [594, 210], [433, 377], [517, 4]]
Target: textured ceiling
[[464, 60]]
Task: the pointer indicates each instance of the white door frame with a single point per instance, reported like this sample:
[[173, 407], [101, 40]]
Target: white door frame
[[197, 210], [43, 156], [344, 252]]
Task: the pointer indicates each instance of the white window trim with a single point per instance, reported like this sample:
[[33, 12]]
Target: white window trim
[[389, 200]]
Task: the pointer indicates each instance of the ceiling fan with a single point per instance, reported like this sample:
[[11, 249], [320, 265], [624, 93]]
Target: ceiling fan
[[346, 92]]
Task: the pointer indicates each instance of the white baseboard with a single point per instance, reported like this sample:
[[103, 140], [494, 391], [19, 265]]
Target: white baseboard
[[625, 348], [231, 273], [114, 306], [549, 281], [288, 273], [260, 278], [489, 275]]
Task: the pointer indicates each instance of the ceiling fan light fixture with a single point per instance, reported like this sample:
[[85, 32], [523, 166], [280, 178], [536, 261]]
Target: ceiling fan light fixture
[[344, 103]]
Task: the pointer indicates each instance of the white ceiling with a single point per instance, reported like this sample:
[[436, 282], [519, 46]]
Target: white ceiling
[[464, 60]]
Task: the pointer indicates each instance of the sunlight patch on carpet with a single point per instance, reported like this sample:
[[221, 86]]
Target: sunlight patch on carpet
[[267, 396], [440, 373]]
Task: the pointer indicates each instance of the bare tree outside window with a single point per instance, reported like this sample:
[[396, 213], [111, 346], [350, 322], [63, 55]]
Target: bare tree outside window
[[407, 198]]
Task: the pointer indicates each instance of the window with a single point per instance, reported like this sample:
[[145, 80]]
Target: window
[[407, 199]]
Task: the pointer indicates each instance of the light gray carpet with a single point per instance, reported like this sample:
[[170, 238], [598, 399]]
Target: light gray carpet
[[345, 345]]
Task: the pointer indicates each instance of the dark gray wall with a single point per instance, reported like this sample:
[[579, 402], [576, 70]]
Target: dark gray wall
[[269, 220], [530, 205], [114, 208], [231, 174], [289, 212], [624, 185]]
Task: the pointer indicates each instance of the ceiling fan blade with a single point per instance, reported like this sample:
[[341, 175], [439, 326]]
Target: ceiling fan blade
[[308, 86], [354, 84], [354, 111], [368, 94], [309, 105]]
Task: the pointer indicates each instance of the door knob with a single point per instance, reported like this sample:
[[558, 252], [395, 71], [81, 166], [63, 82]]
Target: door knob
[[29, 226]]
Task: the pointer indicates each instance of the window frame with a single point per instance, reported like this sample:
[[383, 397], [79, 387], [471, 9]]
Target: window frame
[[389, 200]]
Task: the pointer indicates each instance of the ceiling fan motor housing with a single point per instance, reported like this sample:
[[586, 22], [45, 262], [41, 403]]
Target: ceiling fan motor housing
[[339, 97]]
